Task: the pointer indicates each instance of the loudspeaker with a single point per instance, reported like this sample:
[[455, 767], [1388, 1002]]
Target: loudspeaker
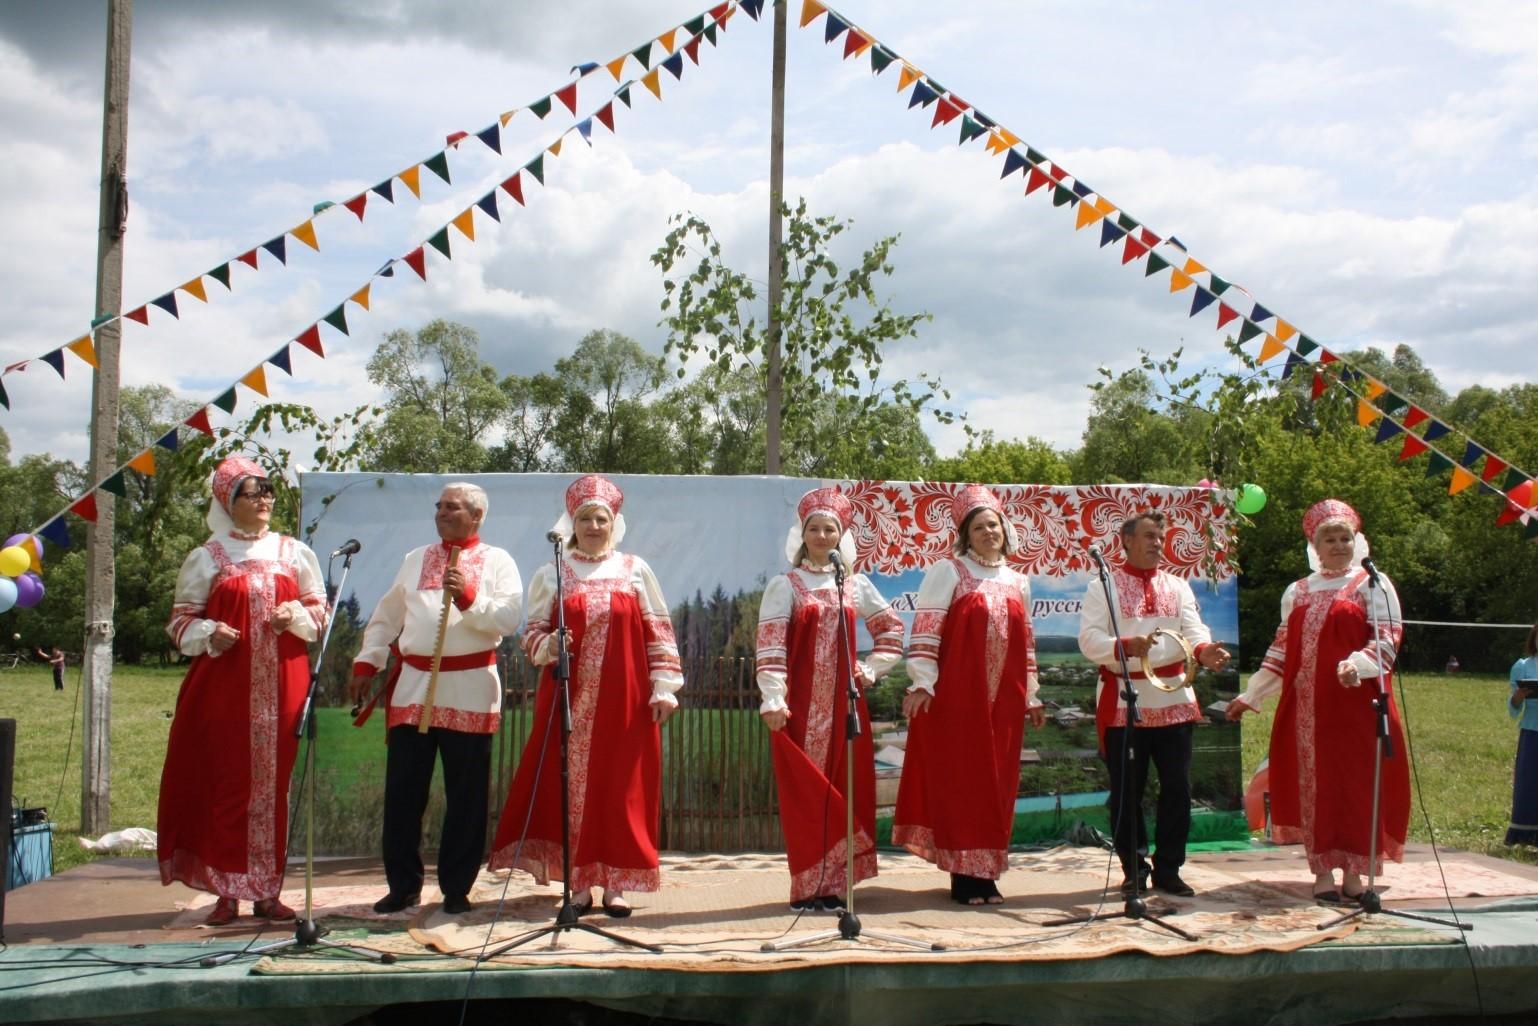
[[7, 768]]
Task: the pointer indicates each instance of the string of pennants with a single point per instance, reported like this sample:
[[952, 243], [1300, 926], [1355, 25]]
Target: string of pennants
[[674, 45], [56, 529], [1375, 402]]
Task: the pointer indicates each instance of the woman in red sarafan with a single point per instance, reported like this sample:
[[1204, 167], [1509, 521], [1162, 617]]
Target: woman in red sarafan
[[248, 602], [972, 658], [1324, 739], [803, 676], [624, 675]]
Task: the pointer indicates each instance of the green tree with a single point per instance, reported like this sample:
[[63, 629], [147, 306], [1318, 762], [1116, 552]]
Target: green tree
[[607, 424], [988, 460]]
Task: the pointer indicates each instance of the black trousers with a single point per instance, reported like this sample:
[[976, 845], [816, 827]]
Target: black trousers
[[408, 778], [1169, 749]]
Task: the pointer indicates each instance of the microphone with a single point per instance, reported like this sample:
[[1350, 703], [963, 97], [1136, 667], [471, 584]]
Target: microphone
[[1370, 567], [554, 537], [1097, 556], [835, 558], [349, 548]]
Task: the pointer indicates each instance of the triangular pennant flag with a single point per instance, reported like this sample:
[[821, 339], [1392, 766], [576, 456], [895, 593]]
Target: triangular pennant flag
[[1413, 447], [358, 204], [56, 531], [417, 261], [140, 314], [696, 24], [1325, 356], [649, 80], [1485, 489], [55, 360], [83, 348], [1509, 514], [644, 54], [1319, 386], [5, 400], [488, 205], [1284, 331], [1270, 347], [1248, 330], [666, 39], [1471, 454], [412, 179], [810, 10], [567, 94], [1375, 388], [277, 247], [585, 127], [1086, 216], [855, 44], [226, 400], [880, 59], [1109, 231], [624, 94], [465, 222], [833, 27], [386, 189], [753, 7], [1438, 463], [115, 484], [282, 360], [692, 49], [1436, 429], [1365, 414], [1128, 223], [453, 138], [1131, 249], [1530, 531], [438, 164], [248, 258], [199, 422], [310, 339], [1150, 238], [1156, 263], [85, 507], [194, 288], [1201, 300], [256, 380], [1226, 313], [1218, 285], [1305, 345], [922, 96], [674, 65], [1035, 180], [220, 274], [1415, 416], [970, 129], [360, 297], [144, 463], [338, 318], [540, 107], [617, 66], [1180, 280], [1192, 266], [167, 303], [492, 137], [1260, 313], [1293, 360], [1062, 194], [1082, 189], [305, 233], [605, 115], [995, 143], [514, 188], [1387, 429], [907, 75], [1515, 479], [439, 240], [710, 33]]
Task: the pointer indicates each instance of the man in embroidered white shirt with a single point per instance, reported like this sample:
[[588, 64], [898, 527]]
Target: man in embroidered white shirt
[[487, 604], [1147, 599]]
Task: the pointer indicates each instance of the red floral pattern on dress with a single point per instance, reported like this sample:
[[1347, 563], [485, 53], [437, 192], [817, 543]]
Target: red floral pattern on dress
[[819, 714], [436, 560], [988, 863], [1132, 595], [447, 717], [770, 644], [908, 526]]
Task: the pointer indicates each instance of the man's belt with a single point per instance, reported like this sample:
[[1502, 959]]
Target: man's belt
[[468, 661], [1105, 706]]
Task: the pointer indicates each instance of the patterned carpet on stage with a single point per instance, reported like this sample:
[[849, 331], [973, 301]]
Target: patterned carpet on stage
[[715, 912]]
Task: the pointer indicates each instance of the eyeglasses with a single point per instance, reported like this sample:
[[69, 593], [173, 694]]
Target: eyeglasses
[[258, 495]]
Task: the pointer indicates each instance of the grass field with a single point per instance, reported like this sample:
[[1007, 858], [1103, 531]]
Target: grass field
[[1461, 739]]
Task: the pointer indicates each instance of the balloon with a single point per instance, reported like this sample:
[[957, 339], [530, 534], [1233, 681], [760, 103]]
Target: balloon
[[1206, 483], [29, 590], [1250, 500], [7, 593], [1254, 796], [14, 560]]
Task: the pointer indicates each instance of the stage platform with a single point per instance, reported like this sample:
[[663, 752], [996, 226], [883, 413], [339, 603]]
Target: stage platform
[[105, 943]]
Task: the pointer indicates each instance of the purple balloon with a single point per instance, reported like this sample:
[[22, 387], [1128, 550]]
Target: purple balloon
[[17, 539], [29, 590]]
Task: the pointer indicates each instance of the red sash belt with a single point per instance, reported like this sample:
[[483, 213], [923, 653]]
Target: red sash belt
[[1105, 705], [446, 664]]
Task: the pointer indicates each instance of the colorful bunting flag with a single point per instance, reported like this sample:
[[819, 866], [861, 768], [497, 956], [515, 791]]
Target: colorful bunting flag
[[194, 288], [256, 381], [360, 297], [144, 463], [282, 360], [439, 240], [338, 318], [85, 507], [305, 233], [411, 178], [199, 422], [310, 339], [567, 94], [1413, 447], [417, 261], [810, 11], [465, 222]]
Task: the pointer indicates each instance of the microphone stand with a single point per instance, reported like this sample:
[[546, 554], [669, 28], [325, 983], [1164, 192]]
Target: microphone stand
[[307, 932], [1135, 907], [1369, 902], [849, 927], [568, 916]]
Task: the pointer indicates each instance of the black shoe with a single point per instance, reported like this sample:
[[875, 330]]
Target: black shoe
[[1142, 883], [831, 903], [456, 904], [804, 905], [1170, 883], [394, 902]]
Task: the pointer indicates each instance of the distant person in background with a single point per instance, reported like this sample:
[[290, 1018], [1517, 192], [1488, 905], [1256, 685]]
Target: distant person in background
[[803, 678], [1322, 742], [54, 658], [248, 602], [1523, 706]]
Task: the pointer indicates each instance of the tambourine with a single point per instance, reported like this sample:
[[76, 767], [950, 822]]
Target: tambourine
[[1171, 684]]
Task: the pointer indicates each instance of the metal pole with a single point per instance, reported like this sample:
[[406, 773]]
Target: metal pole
[[95, 774], [776, 231]]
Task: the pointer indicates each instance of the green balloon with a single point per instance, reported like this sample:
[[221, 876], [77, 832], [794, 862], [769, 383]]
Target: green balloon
[[1250, 500]]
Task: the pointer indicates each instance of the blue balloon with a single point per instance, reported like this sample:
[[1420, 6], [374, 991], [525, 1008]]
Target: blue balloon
[[7, 594]]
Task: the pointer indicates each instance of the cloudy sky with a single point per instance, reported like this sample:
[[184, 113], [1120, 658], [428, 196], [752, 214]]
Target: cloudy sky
[[1365, 169]]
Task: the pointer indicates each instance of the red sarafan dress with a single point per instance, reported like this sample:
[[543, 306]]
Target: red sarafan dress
[[623, 657], [802, 668], [1323, 740], [223, 817], [972, 644]]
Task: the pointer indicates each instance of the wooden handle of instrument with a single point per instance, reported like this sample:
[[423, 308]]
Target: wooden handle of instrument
[[425, 724]]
